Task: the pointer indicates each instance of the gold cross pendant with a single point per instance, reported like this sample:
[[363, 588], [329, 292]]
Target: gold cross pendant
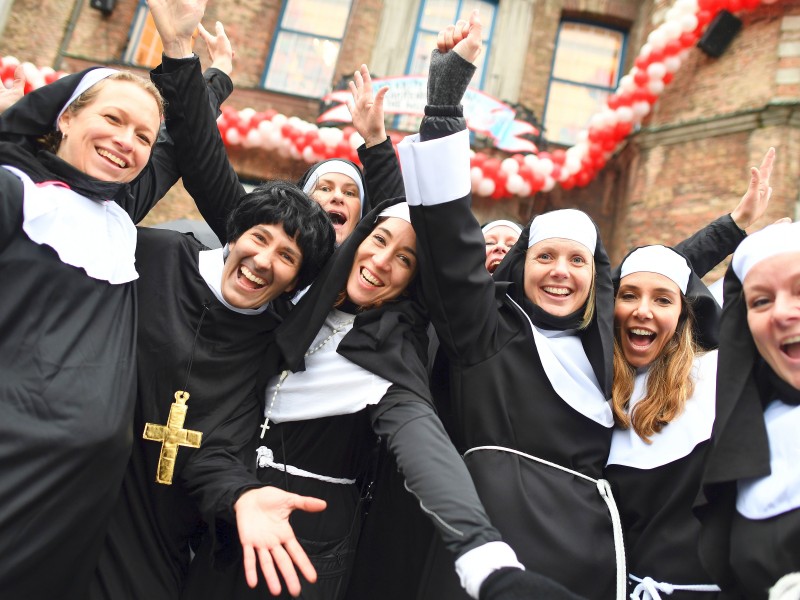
[[172, 435]]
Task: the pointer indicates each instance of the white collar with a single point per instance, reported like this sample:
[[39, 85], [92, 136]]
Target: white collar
[[98, 237]]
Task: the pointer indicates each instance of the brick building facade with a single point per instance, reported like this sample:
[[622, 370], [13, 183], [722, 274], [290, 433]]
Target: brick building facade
[[687, 163]]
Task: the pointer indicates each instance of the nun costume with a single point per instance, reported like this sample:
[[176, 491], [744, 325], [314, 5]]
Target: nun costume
[[190, 339], [528, 390], [656, 481], [67, 340], [750, 497]]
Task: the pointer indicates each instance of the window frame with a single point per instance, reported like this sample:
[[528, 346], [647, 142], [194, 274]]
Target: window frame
[[137, 29], [273, 43], [590, 86]]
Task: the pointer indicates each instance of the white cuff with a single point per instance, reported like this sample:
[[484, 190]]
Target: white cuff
[[436, 171], [476, 565]]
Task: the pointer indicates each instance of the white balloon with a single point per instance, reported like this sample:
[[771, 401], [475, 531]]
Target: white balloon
[[515, 183], [279, 119], [294, 152], [233, 137], [543, 167], [486, 187], [656, 70], [672, 28], [308, 155], [531, 160], [641, 109], [610, 117], [509, 165], [526, 189], [625, 114], [475, 176], [549, 184], [266, 127], [626, 84], [656, 86], [247, 113], [672, 64], [688, 23], [657, 39], [252, 139], [572, 164], [273, 139], [582, 136], [687, 6]]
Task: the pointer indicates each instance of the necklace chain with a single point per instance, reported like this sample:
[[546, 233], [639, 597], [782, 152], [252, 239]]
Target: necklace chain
[[285, 374]]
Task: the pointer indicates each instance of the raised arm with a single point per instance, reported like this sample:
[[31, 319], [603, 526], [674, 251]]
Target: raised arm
[[202, 159], [381, 168], [459, 292], [436, 475]]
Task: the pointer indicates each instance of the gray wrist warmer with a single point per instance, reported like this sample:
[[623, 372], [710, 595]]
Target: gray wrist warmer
[[448, 78]]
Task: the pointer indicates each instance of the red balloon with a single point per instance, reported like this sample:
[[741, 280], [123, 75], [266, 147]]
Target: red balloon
[[623, 129], [734, 5], [526, 172], [687, 39], [641, 62], [582, 178], [556, 172], [668, 78], [342, 149], [558, 157], [672, 47], [478, 160], [491, 168], [318, 146], [640, 77], [569, 183], [309, 137], [707, 4], [613, 102], [656, 55]]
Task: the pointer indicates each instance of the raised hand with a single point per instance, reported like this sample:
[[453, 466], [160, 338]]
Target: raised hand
[[262, 518], [176, 22], [220, 50], [464, 38], [756, 199], [15, 92], [366, 108]]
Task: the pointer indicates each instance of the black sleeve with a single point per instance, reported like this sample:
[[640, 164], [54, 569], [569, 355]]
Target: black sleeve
[[216, 473], [709, 246], [219, 87], [433, 470], [11, 196], [381, 172], [202, 159]]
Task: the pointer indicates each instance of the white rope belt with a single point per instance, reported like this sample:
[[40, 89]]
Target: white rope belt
[[648, 588], [604, 489], [266, 459]]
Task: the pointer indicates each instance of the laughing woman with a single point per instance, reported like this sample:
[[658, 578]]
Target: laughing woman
[[663, 398], [67, 318], [750, 503]]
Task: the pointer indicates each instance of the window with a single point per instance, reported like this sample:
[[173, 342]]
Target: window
[[586, 68], [306, 46], [435, 15], [145, 46]]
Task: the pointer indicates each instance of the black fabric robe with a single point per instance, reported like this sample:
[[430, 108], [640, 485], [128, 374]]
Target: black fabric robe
[[66, 369], [146, 552], [744, 556]]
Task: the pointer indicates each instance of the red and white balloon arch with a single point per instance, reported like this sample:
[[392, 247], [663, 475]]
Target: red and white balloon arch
[[519, 175]]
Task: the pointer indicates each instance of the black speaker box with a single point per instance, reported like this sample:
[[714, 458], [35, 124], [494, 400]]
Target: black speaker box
[[106, 6], [719, 33]]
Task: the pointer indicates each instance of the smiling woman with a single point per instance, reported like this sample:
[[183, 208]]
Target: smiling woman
[[67, 317], [663, 399], [750, 501]]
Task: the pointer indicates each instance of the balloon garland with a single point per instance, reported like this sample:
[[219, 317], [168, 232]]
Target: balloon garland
[[520, 175]]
